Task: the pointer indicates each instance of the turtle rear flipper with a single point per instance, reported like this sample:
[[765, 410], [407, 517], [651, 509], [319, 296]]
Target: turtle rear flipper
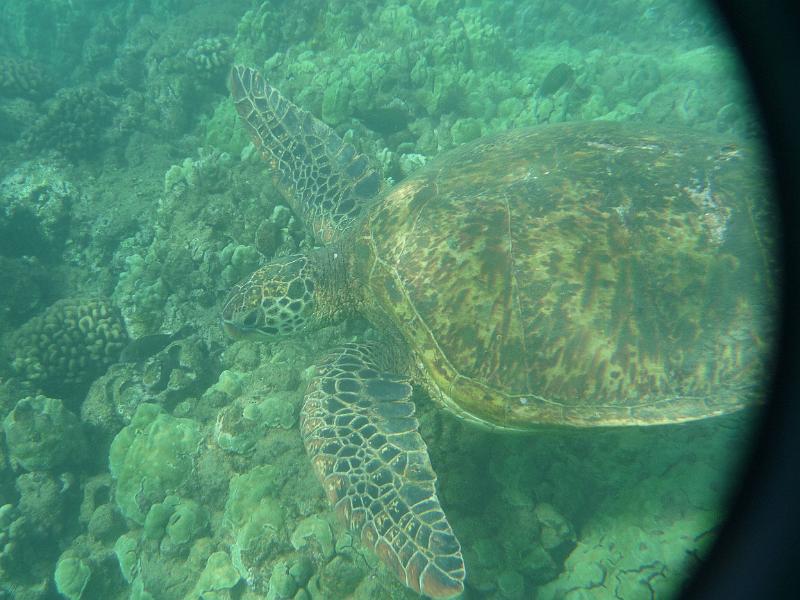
[[359, 429], [323, 178]]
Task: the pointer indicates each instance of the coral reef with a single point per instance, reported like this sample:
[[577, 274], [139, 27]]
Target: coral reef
[[42, 435], [23, 78], [62, 350], [97, 511], [150, 458], [217, 577], [164, 376], [77, 124], [187, 521], [42, 504], [88, 569], [180, 370], [35, 205], [163, 204], [255, 519], [201, 248], [209, 56], [141, 294], [27, 529], [23, 289], [71, 577], [209, 172], [111, 402], [15, 552], [47, 32]]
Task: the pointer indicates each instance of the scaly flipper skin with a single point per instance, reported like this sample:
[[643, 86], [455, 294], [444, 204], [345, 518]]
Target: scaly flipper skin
[[359, 429], [326, 181]]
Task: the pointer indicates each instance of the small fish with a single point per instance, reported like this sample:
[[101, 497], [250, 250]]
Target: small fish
[[560, 76], [146, 346]]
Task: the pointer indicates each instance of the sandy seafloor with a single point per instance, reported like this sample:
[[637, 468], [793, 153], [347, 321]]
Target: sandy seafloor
[[126, 184]]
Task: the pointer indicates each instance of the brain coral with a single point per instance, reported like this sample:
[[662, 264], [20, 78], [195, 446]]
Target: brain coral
[[70, 344]]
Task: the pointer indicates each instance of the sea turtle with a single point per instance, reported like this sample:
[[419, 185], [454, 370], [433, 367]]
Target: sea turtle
[[580, 274]]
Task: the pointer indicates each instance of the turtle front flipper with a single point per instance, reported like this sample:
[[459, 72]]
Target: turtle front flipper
[[323, 178], [359, 429]]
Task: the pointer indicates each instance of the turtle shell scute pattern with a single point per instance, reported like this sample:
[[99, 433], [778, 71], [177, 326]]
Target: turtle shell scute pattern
[[584, 273]]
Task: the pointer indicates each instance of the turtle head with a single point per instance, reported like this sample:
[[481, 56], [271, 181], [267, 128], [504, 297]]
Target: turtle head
[[282, 299]]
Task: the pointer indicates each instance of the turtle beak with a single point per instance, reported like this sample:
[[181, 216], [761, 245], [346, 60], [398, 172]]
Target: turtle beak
[[232, 331], [247, 330]]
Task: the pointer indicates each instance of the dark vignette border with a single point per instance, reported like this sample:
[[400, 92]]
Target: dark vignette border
[[757, 554]]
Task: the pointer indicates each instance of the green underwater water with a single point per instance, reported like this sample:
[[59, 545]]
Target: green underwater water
[[145, 455]]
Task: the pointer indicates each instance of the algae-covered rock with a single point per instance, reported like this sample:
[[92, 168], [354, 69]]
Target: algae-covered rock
[[254, 518], [314, 534], [511, 584], [24, 78], [211, 171], [77, 123], [178, 371], [229, 383], [656, 517], [222, 132], [106, 523], [235, 433], [35, 206], [42, 435], [282, 585], [126, 549], [26, 283], [555, 531], [465, 130], [111, 401], [240, 426], [218, 576], [301, 569], [241, 260], [622, 560], [276, 410], [138, 591], [151, 458], [187, 521], [336, 102], [339, 577], [209, 56], [141, 294], [240, 357], [154, 570], [41, 503], [155, 523], [71, 576]]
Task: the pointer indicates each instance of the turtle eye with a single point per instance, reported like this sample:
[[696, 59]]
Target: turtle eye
[[251, 319]]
